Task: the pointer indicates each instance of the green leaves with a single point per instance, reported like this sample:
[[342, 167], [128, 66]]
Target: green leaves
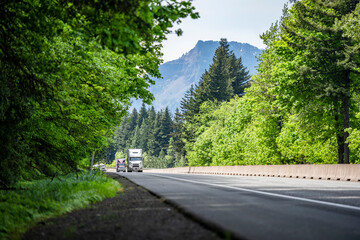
[[69, 71], [302, 102]]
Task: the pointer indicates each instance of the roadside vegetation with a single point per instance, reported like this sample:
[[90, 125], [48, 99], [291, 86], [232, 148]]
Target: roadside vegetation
[[37, 200], [69, 70], [302, 107]]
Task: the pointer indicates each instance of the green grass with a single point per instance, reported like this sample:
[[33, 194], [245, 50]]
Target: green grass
[[41, 199]]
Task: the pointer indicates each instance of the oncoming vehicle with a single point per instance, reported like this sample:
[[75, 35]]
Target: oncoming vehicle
[[103, 167], [120, 165], [134, 160], [100, 166]]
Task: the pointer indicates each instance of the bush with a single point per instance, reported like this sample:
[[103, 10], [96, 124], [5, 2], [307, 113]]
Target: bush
[[112, 164], [41, 199]]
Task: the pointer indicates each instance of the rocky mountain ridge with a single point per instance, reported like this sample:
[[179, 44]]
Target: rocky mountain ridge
[[178, 75]]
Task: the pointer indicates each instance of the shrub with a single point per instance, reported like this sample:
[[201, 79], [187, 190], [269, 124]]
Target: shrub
[[36, 200]]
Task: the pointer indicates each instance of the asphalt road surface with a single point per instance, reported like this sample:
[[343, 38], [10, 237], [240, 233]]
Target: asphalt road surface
[[261, 207]]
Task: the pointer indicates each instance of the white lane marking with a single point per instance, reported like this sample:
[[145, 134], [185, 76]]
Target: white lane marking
[[264, 193]]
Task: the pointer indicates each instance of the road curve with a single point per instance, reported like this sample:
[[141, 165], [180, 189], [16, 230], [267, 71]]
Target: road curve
[[263, 208]]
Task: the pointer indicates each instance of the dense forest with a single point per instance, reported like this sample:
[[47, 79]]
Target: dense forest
[[157, 133], [161, 135], [302, 107], [69, 70]]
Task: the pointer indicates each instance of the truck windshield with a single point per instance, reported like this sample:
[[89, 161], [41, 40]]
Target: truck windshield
[[136, 159]]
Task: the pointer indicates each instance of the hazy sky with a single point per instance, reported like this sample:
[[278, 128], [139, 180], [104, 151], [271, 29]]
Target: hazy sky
[[237, 20]]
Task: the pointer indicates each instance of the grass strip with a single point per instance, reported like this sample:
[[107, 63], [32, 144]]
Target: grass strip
[[38, 200]]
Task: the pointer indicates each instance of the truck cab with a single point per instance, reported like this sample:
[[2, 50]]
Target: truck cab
[[120, 165], [134, 160]]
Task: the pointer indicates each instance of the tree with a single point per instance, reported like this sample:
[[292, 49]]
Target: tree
[[177, 133], [68, 72], [143, 114], [216, 83], [326, 70], [153, 144], [134, 119], [239, 74], [188, 105], [165, 129]]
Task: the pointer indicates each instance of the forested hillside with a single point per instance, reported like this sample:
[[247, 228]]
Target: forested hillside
[[303, 105], [162, 136], [178, 75], [157, 133]]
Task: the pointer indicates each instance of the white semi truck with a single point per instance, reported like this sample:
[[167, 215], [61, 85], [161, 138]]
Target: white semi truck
[[134, 160]]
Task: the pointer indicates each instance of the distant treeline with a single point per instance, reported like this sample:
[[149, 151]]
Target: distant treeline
[[157, 133]]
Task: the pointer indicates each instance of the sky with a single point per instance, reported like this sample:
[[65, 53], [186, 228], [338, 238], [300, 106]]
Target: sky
[[236, 20]]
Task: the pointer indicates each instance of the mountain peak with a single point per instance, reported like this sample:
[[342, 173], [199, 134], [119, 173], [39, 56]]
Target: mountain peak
[[178, 75]]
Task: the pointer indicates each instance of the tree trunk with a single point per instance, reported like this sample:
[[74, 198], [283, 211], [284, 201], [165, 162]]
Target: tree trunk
[[346, 103], [340, 142], [339, 138]]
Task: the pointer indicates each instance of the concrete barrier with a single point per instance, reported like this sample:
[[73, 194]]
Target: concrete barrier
[[340, 172]]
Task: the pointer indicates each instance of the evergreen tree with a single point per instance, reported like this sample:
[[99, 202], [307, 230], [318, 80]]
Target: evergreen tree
[[216, 83], [325, 69], [121, 135], [177, 129], [144, 134], [136, 138], [239, 75], [225, 78], [153, 143], [143, 114], [165, 129], [188, 105], [133, 120]]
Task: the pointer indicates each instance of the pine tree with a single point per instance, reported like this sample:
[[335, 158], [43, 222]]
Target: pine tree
[[216, 83], [143, 114], [133, 119], [144, 134], [176, 134], [187, 104], [136, 138], [148, 130], [121, 135], [326, 72], [153, 143], [165, 129], [225, 78], [239, 75]]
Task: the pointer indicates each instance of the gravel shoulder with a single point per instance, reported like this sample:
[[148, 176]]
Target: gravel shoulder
[[133, 214]]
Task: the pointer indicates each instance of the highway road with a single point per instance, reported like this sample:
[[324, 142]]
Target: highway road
[[262, 207]]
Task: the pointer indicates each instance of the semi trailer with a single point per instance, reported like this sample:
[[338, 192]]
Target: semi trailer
[[134, 159]]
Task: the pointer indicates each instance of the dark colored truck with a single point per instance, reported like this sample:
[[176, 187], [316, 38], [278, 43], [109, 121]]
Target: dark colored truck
[[120, 165]]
